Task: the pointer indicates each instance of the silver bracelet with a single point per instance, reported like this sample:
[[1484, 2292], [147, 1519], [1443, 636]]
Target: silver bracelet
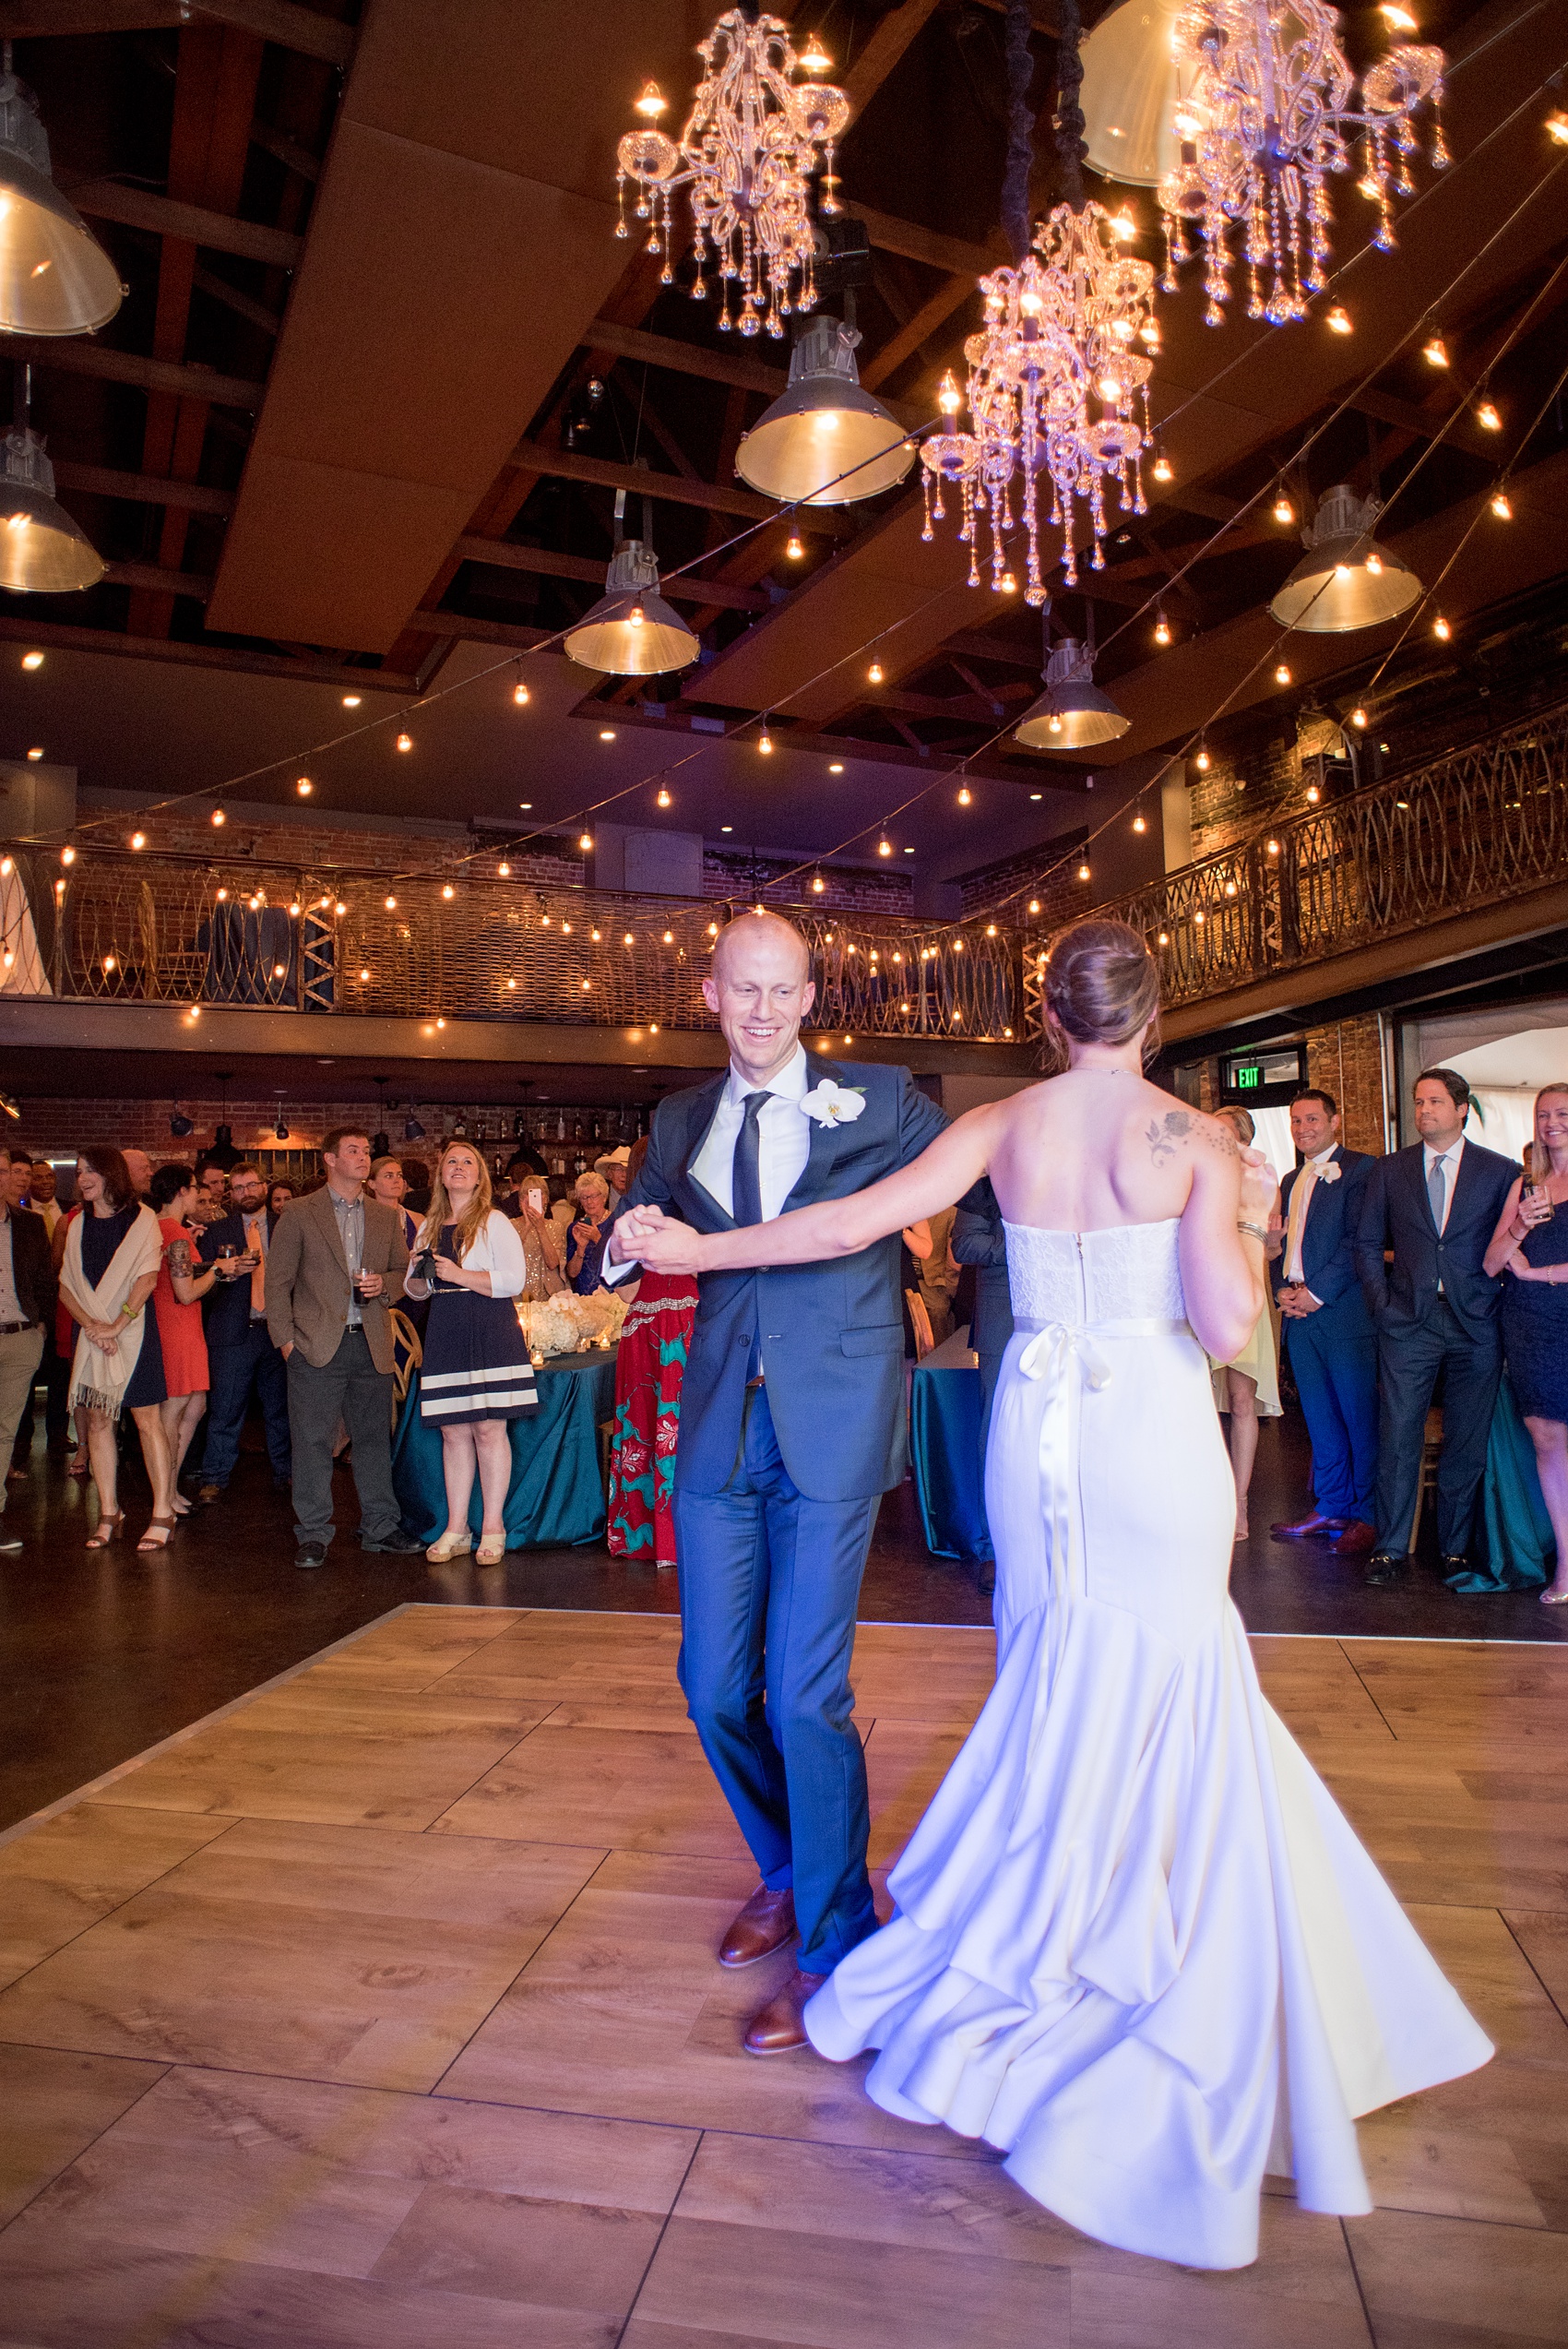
[[1255, 1230]]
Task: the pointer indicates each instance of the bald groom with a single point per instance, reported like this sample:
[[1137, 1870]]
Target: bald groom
[[791, 1428]]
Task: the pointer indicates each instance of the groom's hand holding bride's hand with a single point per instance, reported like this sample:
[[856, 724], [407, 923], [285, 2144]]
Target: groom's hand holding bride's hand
[[1260, 1192], [656, 1241]]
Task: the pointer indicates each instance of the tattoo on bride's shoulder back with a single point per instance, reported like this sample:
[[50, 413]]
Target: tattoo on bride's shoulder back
[[1164, 1135]]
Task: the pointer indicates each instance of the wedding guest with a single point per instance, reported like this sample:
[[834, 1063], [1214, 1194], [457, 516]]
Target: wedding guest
[[337, 1263], [390, 1185], [113, 1253], [477, 1377], [613, 1166], [212, 1181], [41, 1196], [416, 1173], [979, 1239], [1246, 1389], [521, 1168], [54, 1372], [26, 1310], [176, 1301], [650, 1367], [279, 1191], [544, 1252], [1437, 1204], [1325, 1327], [19, 1179], [139, 1167], [939, 1275], [66, 1344], [588, 1233], [241, 1356], [1530, 1247]]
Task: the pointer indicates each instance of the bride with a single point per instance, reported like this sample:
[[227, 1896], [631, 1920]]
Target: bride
[[1137, 1945]]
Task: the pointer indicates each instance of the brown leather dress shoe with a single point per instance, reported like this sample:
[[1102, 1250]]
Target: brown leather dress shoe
[[1356, 1539], [766, 1923], [1315, 1528], [777, 2027]]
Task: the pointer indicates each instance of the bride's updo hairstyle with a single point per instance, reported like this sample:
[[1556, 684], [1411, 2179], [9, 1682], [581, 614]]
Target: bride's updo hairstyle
[[1102, 984]]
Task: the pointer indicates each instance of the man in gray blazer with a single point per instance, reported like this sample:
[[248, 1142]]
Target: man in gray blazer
[[336, 1263]]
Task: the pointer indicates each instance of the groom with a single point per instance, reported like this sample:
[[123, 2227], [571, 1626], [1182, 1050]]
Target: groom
[[791, 1428]]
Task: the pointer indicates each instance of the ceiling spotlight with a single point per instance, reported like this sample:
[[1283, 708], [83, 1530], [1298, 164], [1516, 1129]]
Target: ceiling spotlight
[[36, 755], [1338, 320], [520, 694], [54, 276], [305, 787], [1282, 675], [836, 767], [1487, 417], [1442, 629], [1345, 580], [405, 742], [1283, 510], [42, 550], [606, 734], [825, 441], [1502, 507], [794, 548], [351, 700], [1072, 713], [966, 797], [875, 673], [32, 661], [1434, 350]]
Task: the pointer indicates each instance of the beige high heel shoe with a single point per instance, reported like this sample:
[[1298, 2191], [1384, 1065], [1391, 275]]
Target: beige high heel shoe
[[492, 1549], [450, 1545]]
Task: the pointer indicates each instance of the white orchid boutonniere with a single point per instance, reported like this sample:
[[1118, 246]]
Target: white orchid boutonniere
[[1329, 1173], [833, 1104]]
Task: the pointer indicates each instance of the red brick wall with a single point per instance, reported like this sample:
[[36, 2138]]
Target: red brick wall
[[1346, 1061]]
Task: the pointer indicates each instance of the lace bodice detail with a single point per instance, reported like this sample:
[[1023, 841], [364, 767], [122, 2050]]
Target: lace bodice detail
[[1126, 1273]]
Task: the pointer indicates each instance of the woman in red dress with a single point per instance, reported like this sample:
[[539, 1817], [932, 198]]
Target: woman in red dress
[[176, 1301], [656, 1338]]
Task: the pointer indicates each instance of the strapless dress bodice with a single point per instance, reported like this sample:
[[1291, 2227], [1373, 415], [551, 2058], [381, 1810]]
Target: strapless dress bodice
[[1082, 1280]]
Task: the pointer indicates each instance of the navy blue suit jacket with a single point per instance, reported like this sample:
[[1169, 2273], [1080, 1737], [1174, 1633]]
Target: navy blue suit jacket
[[831, 1334], [227, 1303], [1328, 1243], [1396, 1213]]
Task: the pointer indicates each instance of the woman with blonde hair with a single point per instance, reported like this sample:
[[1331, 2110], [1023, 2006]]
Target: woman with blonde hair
[[1246, 1389], [1136, 1947], [477, 1375], [1531, 1245], [112, 1256]]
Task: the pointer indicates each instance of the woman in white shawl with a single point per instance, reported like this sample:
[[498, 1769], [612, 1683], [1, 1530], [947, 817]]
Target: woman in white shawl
[[109, 1270]]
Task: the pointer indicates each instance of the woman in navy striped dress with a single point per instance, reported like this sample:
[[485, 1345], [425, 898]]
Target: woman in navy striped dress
[[477, 1375]]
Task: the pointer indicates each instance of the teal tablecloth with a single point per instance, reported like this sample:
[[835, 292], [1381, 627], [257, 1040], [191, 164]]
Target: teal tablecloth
[[1515, 1531], [556, 1495], [944, 1425]]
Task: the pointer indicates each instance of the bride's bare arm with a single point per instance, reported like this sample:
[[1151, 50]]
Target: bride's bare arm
[[1222, 1273], [835, 1227]]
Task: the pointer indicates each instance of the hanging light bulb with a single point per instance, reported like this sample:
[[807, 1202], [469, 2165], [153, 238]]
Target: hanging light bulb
[[765, 743], [305, 787], [966, 796], [219, 816], [818, 885], [1442, 629], [1338, 320], [1072, 713], [1138, 823], [632, 631], [1084, 873], [585, 842], [1282, 675], [503, 871], [54, 276], [1434, 350], [825, 441], [793, 547], [1487, 417], [138, 840], [1162, 630], [1034, 905], [1336, 587], [1202, 761], [520, 695], [1357, 717], [405, 742], [1162, 470], [874, 675], [351, 700], [1313, 794], [1502, 507], [663, 799], [884, 848], [42, 550], [1284, 512]]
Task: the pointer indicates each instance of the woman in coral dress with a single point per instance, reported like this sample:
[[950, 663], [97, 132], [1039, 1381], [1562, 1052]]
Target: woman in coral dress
[[176, 1301]]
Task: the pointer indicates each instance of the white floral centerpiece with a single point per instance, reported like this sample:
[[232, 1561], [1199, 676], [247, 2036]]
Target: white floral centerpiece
[[568, 1324]]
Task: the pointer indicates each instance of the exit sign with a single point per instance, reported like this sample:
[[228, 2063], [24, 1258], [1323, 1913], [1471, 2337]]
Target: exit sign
[[1264, 1079], [1247, 1075]]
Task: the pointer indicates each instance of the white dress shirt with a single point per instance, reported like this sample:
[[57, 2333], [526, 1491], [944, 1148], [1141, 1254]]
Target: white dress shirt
[[1301, 1191], [1449, 1160], [784, 1140]]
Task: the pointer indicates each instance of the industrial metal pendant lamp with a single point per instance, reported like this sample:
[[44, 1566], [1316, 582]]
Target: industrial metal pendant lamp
[[1133, 82], [55, 278], [1072, 713], [42, 551], [1345, 580], [632, 631], [825, 441]]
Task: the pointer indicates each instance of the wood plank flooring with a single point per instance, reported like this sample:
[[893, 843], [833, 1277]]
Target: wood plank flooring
[[380, 2012]]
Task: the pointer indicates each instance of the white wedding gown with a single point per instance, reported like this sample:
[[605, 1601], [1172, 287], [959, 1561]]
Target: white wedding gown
[[1138, 1945]]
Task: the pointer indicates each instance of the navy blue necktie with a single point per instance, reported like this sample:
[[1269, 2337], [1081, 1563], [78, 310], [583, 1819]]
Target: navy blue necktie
[[745, 1180]]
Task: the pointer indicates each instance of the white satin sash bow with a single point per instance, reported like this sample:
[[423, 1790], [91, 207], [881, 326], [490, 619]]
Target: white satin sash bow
[[1055, 1343]]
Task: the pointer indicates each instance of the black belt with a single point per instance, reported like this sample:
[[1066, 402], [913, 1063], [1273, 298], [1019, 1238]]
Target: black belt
[[14, 1329]]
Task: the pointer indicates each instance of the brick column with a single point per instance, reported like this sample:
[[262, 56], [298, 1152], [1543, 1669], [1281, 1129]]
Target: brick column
[[1346, 1061]]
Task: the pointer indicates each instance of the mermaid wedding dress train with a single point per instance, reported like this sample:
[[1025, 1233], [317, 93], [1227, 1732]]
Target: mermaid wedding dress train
[[1138, 1945]]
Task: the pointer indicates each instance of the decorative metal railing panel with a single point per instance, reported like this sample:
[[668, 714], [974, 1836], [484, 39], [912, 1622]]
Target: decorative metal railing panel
[[121, 926], [1472, 829]]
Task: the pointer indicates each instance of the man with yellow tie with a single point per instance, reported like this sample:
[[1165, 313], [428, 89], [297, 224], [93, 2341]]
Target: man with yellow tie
[[1327, 1330], [240, 1352]]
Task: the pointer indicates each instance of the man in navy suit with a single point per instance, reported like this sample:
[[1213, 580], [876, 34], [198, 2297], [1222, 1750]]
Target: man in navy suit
[[240, 1352], [793, 1426], [1437, 1204], [1326, 1327]]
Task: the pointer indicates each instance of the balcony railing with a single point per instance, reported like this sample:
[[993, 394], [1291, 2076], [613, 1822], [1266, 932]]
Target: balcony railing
[[118, 926], [1470, 830]]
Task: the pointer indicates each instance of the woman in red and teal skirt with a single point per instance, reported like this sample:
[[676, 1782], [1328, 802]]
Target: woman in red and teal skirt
[[656, 1338]]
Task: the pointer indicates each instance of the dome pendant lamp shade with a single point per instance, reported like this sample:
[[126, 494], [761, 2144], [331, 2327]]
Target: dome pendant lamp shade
[[1131, 91], [55, 278], [1345, 580], [42, 551], [1072, 713], [825, 441], [632, 631]]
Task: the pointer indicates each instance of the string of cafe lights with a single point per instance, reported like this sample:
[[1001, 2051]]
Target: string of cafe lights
[[873, 645]]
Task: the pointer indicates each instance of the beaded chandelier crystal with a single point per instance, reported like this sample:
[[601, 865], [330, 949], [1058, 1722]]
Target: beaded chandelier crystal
[[1269, 117], [747, 157], [1057, 384]]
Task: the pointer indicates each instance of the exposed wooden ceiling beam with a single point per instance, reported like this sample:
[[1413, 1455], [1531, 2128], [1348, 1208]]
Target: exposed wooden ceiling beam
[[154, 580], [71, 356], [684, 358], [303, 30], [884, 49], [546, 564], [287, 152], [912, 337], [1463, 431], [105, 199], [954, 254], [567, 464], [143, 489], [255, 314], [459, 623], [56, 636]]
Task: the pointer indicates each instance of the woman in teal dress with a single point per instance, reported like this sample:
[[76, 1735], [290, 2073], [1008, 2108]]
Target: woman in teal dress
[[1530, 1248]]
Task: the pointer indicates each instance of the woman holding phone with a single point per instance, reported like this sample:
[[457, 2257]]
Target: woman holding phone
[[477, 1376], [543, 1254], [1531, 1245]]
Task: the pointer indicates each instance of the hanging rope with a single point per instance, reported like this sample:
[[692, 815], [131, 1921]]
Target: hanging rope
[[1071, 148], [1017, 224]]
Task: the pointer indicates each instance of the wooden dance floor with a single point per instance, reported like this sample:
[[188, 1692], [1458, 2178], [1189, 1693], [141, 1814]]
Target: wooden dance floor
[[381, 2009]]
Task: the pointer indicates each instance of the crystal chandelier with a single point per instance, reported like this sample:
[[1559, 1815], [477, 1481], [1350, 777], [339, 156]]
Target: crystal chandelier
[[1269, 117], [1057, 389], [747, 157]]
